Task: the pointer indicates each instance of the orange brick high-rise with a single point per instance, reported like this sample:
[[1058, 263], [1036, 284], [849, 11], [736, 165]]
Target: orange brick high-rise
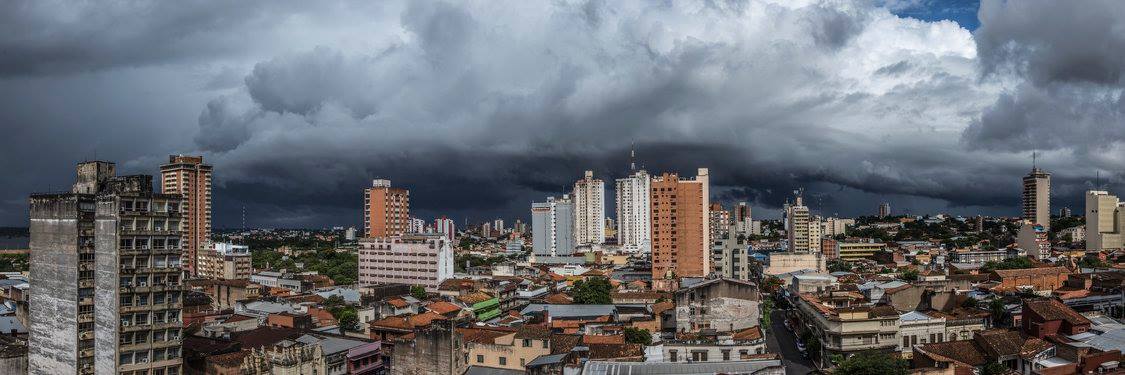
[[386, 210], [680, 225], [189, 177]]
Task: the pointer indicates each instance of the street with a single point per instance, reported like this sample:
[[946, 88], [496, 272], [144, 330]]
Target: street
[[783, 342]]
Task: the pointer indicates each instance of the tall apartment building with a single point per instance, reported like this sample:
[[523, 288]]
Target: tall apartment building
[[386, 210], [444, 226], [884, 210], [743, 221], [835, 226], [681, 225], [105, 276], [589, 210], [1037, 198], [1105, 221], [552, 227], [719, 221], [798, 222], [634, 216], [730, 256], [415, 259], [189, 177], [498, 225]]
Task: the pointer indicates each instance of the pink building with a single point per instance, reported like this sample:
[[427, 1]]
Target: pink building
[[444, 226], [413, 259], [366, 359]]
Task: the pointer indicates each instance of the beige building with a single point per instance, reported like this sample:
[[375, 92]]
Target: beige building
[[1032, 238], [681, 225], [798, 225], [1037, 198], [415, 259], [189, 177], [788, 262], [849, 251], [1105, 221], [589, 210], [506, 349], [848, 330], [225, 261]]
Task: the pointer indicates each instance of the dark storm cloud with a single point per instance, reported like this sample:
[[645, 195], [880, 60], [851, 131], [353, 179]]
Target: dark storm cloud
[[1065, 65], [481, 108]]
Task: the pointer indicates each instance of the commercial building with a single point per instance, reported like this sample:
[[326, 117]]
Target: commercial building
[[680, 225], [105, 276], [589, 210], [1037, 198], [189, 177], [386, 210], [1105, 221], [415, 259], [552, 227], [849, 251], [226, 261], [634, 215]]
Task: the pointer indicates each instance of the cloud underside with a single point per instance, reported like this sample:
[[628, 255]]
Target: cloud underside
[[486, 106]]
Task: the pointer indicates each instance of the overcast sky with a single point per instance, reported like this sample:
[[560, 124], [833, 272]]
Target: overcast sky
[[482, 107]]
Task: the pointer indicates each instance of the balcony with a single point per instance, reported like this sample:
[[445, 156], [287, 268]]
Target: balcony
[[86, 318], [86, 335]]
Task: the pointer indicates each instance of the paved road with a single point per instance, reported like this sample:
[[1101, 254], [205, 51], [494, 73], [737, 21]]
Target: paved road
[[782, 341]]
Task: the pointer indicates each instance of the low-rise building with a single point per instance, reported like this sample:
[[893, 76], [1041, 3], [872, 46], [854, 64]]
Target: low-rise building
[[850, 327], [416, 259], [722, 304], [711, 347]]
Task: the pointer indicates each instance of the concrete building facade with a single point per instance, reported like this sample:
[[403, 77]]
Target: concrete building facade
[[386, 210], [105, 276], [1037, 198], [189, 177], [416, 259], [552, 227], [1105, 221], [681, 225], [589, 210], [634, 215], [225, 261], [444, 226], [798, 221]]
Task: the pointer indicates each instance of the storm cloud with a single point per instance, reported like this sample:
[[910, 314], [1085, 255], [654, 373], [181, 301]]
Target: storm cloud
[[480, 108]]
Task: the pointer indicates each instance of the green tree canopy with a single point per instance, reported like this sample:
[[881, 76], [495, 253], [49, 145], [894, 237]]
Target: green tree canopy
[[418, 291], [591, 292], [638, 336], [871, 363]]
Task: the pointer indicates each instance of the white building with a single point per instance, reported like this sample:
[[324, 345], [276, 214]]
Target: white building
[[634, 216], [916, 328], [833, 226], [589, 210], [417, 225], [552, 226], [414, 259], [444, 226], [349, 234]]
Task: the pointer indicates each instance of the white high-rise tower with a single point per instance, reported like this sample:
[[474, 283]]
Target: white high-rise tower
[[589, 210], [634, 212]]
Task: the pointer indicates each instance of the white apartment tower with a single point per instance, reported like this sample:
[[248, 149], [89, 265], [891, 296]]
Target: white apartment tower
[[634, 212], [589, 210], [797, 225], [1105, 221]]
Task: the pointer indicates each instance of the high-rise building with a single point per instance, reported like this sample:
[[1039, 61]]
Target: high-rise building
[[798, 222], [444, 226], [113, 240], [225, 261], [386, 210], [834, 226], [589, 210], [415, 259], [1105, 221], [884, 209], [498, 225], [730, 257], [719, 221], [743, 221], [1064, 212], [1037, 198], [634, 224], [189, 177], [681, 225], [552, 227]]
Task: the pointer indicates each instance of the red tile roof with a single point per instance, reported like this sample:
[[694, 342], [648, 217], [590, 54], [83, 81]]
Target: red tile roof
[[1051, 309]]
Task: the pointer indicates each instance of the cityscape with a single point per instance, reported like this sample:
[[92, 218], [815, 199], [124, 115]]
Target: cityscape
[[924, 188]]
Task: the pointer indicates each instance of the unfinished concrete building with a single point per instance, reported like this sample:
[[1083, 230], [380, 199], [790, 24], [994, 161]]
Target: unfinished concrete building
[[105, 277]]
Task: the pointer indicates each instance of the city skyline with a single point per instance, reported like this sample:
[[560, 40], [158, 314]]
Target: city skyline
[[943, 117]]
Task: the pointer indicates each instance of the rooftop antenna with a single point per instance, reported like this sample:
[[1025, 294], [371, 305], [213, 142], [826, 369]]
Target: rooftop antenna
[[1098, 179], [1034, 161], [632, 156]]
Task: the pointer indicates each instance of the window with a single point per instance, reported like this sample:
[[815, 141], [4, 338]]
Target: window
[[672, 356], [526, 343], [503, 361], [480, 358], [726, 354], [522, 364]]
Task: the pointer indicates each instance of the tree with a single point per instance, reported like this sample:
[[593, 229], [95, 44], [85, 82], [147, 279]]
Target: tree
[[838, 266], [592, 292], [970, 303], [994, 368], [871, 363], [638, 336], [1007, 264], [910, 275], [418, 291], [999, 312], [348, 320]]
